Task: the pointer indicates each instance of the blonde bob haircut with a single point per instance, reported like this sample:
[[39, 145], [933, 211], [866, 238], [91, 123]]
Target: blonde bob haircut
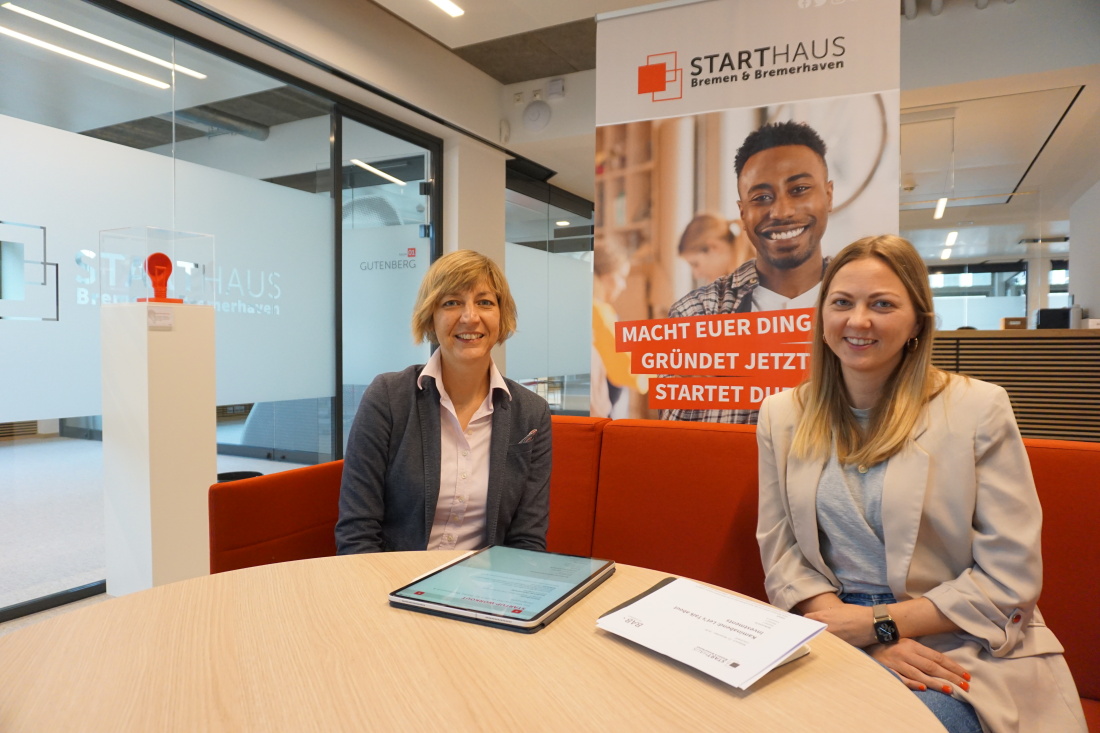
[[453, 274], [827, 418]]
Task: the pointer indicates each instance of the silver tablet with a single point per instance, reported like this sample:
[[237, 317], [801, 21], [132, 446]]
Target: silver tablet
[[504, 586]]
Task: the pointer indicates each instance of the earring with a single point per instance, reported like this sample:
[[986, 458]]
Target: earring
[[911, 344]]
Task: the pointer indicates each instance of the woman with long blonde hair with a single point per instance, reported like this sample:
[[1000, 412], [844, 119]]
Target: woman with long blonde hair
[[897, 506]]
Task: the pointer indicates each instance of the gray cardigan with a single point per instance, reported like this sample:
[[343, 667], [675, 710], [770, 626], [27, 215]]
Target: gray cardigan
[[390, 485]]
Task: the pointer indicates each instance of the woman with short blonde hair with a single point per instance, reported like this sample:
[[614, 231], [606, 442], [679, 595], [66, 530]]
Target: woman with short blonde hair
[[449, 455]]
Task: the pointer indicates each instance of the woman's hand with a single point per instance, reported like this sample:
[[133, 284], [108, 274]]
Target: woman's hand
[[854, 624], [921, 667]]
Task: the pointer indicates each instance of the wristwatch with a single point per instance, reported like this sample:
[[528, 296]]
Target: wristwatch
[[885, 629]]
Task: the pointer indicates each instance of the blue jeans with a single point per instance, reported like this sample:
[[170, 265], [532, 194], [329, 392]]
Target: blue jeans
[[955, 715]]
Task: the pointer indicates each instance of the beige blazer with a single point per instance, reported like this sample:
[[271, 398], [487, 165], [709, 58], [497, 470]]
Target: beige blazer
[[961, 525]]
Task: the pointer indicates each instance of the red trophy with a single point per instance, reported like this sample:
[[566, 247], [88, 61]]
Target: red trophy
[[159, 268]]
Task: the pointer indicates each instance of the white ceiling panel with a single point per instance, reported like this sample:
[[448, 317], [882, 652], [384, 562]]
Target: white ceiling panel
[[485, 20]]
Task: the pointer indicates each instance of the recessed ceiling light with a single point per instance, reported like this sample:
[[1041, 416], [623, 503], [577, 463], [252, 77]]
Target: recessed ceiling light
[[940, 206], [952, 237], [945, 255], [99, 39], [448, 7], [86, 59], [375, 171], [562, 223]]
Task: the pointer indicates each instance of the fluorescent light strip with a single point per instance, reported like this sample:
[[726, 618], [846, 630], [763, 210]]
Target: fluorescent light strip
[[562, 223], [945, 255], [448, 7], [940, 206], [952, 237], [106, 42], [375, 171], [85, 59]]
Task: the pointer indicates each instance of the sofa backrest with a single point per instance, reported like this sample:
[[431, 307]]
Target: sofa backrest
[[1067, 476], [291, 515], [681, 498], [283, 516], [576, 450]]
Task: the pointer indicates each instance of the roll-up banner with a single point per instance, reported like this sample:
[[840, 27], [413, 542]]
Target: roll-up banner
[[739, 144]]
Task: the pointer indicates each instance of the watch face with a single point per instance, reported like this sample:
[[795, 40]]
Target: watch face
[[886, 631]]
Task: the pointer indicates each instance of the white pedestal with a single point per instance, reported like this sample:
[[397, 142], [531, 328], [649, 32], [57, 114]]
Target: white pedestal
[[159, 442]]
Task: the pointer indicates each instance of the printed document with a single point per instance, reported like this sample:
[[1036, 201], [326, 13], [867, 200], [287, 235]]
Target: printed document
[[730, 638]]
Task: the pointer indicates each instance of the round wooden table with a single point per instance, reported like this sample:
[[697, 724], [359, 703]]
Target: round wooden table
[[315, 646]]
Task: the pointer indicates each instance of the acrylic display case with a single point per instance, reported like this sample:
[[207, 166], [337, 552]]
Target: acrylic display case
[[153, 264]]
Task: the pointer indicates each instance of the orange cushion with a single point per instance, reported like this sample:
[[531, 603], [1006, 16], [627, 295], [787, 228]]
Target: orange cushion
[[1066, 478], [283, 516], [1092, 714], [576, 452], [681, 498]]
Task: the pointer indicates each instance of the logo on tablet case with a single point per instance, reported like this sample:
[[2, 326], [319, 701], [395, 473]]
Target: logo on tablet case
[[517, 610], [418, 592]]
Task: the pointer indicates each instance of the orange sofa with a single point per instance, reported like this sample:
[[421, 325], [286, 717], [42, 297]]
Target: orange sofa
[[681, 498]]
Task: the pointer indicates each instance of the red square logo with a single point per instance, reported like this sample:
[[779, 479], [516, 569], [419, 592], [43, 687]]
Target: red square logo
[[651, 78], [412, 252], [418, 592], [517, 610]]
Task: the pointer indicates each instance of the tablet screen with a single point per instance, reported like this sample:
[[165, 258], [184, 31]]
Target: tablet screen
[[504, 581]]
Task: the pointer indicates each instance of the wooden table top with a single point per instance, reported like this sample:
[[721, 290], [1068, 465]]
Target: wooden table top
[[315, 646]]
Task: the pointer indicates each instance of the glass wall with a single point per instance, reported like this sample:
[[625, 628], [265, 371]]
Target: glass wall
[[110, 124], [978, 296], [548, 262], [386, 247]]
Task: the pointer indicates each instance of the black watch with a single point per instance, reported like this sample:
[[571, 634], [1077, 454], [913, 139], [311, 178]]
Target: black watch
[[885, 629]]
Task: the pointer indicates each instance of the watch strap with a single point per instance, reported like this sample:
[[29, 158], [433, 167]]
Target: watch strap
[[886, 631]]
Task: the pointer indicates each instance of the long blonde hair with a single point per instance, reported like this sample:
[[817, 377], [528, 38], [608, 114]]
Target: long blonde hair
[[827, 418]]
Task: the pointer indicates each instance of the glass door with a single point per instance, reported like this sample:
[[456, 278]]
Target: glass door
[[387, 244]]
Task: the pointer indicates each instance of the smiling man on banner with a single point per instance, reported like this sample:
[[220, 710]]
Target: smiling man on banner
[[785, 200]]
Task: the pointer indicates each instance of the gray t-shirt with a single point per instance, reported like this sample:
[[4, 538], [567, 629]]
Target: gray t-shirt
[[849, 521]]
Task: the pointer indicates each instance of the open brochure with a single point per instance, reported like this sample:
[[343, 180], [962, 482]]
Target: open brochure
[[733, 639]]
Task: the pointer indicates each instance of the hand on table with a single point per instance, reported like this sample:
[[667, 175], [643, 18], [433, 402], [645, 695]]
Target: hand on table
[[921, 667]]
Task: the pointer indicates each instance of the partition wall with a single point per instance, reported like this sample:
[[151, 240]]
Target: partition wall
[[324, 217]]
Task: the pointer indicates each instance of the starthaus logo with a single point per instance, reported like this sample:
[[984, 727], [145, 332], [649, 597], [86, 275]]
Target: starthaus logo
[[661, 78]]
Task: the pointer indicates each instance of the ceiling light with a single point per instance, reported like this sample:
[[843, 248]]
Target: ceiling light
[[106, 42], [375, 171], [945, 255], [940, 206], [86, 59], [448, 7], [952, 237], [562, 223]]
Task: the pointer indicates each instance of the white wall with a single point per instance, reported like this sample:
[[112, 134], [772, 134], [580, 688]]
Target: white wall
[[1084, 251]]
